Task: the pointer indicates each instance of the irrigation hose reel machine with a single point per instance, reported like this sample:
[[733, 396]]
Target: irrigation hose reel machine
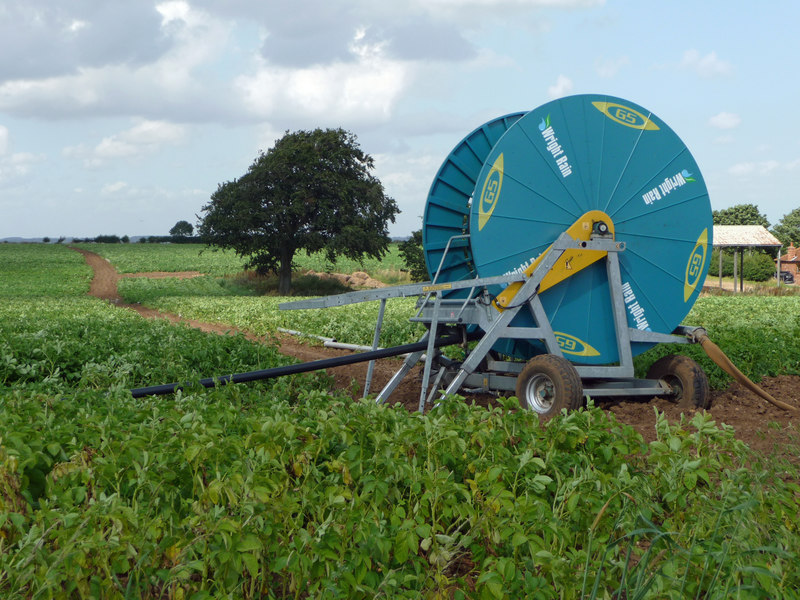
[[567, 240]]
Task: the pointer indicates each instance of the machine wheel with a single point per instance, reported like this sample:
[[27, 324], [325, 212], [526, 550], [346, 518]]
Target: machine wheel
[[548, 384], [685, 377]]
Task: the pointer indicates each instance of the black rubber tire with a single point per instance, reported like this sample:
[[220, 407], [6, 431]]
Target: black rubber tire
[[548, 384], [685, 377]]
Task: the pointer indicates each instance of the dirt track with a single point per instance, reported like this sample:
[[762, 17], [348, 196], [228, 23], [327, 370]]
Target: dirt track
[[759, 424]]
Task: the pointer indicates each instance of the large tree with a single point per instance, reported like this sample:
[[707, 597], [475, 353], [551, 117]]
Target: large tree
[[740, 214], [182, 229], [314, 190], [788, 228]]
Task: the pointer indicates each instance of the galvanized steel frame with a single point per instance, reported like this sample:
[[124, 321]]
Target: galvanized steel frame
[[476, 309]]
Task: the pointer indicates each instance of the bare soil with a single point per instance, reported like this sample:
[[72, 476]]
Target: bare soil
[[763, 427]]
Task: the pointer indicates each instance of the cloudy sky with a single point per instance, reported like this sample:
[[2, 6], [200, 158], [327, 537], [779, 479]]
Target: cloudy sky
[[122, 116]]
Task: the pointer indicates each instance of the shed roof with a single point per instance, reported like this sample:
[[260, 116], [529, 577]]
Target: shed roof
[[743, 235]]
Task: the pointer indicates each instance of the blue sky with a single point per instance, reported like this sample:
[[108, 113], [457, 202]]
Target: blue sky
[[122, 116]]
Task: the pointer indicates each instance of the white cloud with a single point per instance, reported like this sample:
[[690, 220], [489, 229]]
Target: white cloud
[[725, 120], [16, 166], [169, 84], [146, 137], [762, 168], [562, 87], [113, 188], [365, 89], [509, 4], [148, 134], [724, 140], [76, 25], [609, 67], [173, 11], [707, 66]]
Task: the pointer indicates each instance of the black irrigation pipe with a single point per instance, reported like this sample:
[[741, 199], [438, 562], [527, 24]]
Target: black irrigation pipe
[[326, 363]]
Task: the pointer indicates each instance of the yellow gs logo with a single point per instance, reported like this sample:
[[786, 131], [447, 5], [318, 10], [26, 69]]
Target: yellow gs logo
[[491, 192], [569, 344], [694, 268], [625, 116]]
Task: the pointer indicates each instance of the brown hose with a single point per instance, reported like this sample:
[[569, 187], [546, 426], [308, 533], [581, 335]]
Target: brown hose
[[724, 363]]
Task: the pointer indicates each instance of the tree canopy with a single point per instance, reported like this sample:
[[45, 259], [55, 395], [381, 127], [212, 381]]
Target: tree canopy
[[312, 190], [413, 256], [788, 228], [182, 228], [740, 214]]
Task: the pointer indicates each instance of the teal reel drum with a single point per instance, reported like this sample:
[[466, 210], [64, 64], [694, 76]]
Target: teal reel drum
[[446, 218], [518, 182]]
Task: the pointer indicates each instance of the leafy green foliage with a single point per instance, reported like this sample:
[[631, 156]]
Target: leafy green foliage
[[391, 261], [760, 334], [223, 493], [754, 265], [312, 190], [182, 229], [788, 228], [414, 256], [90, 344], [353, 324], [41, 270], [141, 258], [758, 267], [740, 214], [284, 490]]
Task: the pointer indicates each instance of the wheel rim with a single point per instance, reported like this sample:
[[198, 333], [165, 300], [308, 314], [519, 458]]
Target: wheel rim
[[675, 384], [540, 393]]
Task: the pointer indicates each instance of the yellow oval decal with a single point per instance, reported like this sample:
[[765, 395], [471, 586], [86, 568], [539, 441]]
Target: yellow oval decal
[[569, 344], [491, 192], [694, 268], [625, 115]]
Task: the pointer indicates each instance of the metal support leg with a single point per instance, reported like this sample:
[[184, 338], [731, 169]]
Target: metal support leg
[[375, 340], [426, 374], [542, 320], [620, 315], [408, 364], [435, 385]]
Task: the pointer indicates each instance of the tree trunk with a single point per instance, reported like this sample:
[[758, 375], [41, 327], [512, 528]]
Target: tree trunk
[[285, 272]]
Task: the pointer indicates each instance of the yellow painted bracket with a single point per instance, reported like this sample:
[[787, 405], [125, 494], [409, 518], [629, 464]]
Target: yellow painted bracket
[[570, 262]]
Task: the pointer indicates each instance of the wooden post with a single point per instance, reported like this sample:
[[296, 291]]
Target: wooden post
[[741, 271]]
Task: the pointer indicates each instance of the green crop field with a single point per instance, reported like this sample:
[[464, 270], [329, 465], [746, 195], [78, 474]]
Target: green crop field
[[136, 258], [284, 489]]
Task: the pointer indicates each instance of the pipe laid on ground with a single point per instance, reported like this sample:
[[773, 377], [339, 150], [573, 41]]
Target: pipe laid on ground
[[326, 363]]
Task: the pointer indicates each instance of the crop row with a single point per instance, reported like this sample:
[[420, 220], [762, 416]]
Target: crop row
[[135, 258]]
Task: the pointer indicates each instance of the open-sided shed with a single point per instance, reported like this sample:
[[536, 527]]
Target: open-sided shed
[[739, 237]]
